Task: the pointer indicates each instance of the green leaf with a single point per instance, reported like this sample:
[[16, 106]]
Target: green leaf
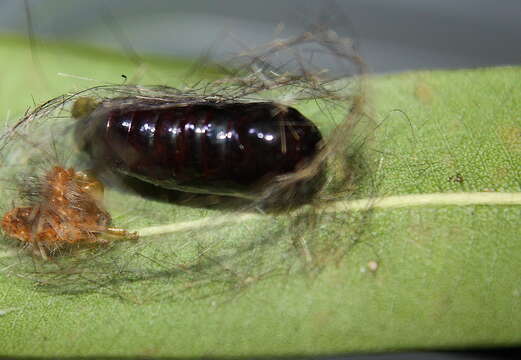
[[435, 270]]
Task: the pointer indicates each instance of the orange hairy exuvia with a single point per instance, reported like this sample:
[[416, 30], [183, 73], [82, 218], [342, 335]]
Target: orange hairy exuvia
[[68, 211]]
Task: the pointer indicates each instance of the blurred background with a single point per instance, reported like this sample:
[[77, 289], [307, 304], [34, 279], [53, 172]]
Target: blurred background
[[393, 35]]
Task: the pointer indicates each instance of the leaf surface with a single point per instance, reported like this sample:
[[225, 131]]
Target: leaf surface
[[418, 277]]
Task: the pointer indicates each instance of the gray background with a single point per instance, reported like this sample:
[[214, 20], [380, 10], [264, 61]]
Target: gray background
[[393, 35]]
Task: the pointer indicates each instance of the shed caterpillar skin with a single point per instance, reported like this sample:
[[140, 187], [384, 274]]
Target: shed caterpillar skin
[[65, 211]]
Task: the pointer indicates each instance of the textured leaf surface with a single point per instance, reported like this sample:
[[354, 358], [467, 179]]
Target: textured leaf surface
[[447, 276]]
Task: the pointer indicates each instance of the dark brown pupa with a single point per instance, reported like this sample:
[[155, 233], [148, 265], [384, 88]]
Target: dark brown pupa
[[224, 148]]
